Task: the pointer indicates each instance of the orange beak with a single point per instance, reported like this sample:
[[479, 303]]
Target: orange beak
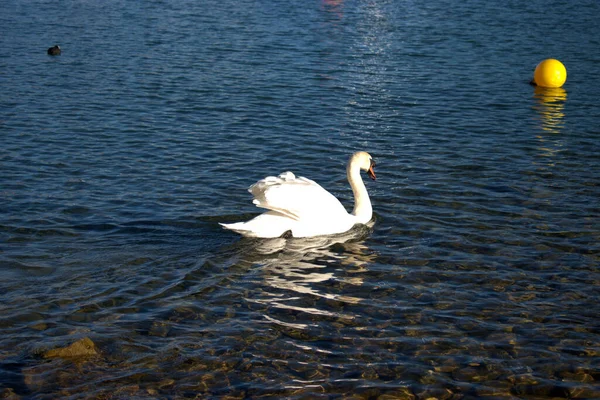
[[371, 172]]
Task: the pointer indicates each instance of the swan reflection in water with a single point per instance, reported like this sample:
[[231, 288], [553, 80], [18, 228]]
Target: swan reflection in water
[[294, 271]]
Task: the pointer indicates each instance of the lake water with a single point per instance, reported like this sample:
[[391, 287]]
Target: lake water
[[479, 277]]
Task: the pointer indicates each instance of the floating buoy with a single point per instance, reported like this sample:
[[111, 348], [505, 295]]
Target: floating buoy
[[549, 73]]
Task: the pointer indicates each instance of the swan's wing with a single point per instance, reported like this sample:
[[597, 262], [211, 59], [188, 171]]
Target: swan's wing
[[295, 197]]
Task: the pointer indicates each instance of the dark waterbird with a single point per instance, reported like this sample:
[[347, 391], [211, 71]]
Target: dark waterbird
[[54, 50]]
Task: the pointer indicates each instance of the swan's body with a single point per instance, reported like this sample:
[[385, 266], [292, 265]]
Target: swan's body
[[303, 208]]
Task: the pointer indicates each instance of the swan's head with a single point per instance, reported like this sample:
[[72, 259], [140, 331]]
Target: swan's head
[[364, 161]]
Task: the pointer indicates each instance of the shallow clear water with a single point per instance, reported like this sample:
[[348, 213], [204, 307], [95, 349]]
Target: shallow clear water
[[479, 278]]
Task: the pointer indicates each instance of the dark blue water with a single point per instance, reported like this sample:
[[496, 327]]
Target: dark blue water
[[480, 277]]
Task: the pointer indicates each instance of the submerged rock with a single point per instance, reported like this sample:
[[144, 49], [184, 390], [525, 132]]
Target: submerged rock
[[9, 394], [81, 348]]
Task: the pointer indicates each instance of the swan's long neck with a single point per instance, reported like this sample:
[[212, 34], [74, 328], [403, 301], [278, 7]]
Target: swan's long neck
[[362, 203]]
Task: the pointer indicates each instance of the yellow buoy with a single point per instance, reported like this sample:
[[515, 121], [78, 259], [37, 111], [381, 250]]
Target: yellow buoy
[[550, 73]]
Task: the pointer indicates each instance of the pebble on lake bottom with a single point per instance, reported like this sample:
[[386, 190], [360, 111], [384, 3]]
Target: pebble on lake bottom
[[81, 348]]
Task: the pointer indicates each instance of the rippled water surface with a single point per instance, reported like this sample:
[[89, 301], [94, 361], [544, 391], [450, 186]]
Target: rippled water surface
[[479, 277]]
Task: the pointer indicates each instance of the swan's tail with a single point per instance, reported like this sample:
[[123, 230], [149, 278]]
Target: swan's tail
[[267, 225], [238, 227]]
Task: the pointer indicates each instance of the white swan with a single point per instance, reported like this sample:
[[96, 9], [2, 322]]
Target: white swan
[[303, 208]]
